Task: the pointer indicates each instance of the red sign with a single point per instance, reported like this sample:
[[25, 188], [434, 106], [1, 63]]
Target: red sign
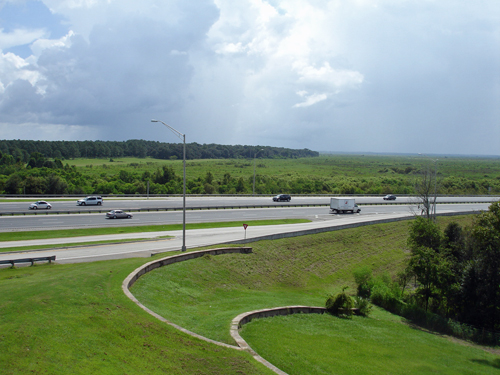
[[245, 226]]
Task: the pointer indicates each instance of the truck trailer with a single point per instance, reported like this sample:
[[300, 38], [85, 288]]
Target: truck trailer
[[343, 205]]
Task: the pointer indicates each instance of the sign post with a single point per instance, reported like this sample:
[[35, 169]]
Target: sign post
[[245, 226]]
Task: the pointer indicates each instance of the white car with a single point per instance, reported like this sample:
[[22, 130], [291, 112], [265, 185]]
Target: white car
[[88, 201], [40, 204], [118, 214]]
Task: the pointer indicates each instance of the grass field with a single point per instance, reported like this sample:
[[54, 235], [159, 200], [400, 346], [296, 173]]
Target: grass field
[[323, 166], [342, 174], [381, 344], [74, 319]]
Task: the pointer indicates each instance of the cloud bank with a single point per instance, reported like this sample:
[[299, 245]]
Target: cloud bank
[[367, 76]]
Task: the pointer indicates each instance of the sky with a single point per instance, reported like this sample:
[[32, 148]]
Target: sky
[[383, 76]]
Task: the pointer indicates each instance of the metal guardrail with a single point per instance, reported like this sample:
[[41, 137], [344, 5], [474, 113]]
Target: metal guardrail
[[28, 260], [79, 196]]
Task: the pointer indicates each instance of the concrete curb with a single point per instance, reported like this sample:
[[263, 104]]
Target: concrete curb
[[247, 317], [236, 322], [150, 266]]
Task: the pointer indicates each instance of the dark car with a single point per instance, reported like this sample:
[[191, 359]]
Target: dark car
[[282, 198], [118, 214], [390, 197]]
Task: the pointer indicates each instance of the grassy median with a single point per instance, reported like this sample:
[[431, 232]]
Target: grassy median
[[66, 233]]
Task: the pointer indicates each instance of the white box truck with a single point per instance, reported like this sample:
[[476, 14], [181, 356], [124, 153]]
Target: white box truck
[[342, 205]]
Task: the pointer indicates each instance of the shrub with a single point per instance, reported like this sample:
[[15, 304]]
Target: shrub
[[363, 305], [340, 304]]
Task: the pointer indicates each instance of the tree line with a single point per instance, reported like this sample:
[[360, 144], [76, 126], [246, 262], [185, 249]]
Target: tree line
[[21, 150]]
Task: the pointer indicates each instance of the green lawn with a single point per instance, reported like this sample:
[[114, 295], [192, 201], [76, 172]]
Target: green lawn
[[75, 319], [381, 344]]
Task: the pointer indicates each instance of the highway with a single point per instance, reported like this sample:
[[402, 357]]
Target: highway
[[319, 216], [66, 216], [65, 205]]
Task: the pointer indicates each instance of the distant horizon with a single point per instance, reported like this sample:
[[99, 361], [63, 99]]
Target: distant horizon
[[410, 154]]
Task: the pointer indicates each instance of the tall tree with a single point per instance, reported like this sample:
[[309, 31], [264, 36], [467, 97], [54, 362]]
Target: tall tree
[[484, 268], [426, 263]]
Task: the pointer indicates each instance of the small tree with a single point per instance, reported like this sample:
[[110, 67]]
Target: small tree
[[426, 188], [364, 279]]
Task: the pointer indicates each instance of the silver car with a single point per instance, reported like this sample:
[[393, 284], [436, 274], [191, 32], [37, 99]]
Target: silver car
[[118, 214], [40, 204]]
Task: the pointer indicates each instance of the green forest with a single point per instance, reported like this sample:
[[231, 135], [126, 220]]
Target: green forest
[[140, 167]]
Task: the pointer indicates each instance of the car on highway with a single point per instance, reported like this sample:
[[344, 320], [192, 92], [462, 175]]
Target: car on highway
[[118, 214], [40, 204], [282, 198], [390, 197], [96, 201]]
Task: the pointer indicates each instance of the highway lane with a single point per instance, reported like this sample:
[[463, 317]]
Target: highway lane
[[205, 237], [95, 220], [213, 201]]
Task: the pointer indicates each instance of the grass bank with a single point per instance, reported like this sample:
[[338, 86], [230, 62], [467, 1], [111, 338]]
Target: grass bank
[[303, 271]]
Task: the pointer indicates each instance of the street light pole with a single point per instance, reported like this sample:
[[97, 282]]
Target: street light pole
[[254, 158], [183, 137], [435, 185]]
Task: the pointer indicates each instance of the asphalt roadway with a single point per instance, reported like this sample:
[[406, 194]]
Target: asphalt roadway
[[175, 202], [205, 237]]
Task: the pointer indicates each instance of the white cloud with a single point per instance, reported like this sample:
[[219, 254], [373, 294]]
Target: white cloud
[[12, 68], [42, 44], [310, 99], [326, 75], [19, 37]]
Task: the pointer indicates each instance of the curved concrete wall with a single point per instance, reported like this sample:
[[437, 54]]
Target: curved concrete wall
[[145, 268], [236, 322]]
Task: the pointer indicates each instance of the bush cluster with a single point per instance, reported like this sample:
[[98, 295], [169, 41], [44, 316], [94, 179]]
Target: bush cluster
[[340, 304], [343, 305]]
